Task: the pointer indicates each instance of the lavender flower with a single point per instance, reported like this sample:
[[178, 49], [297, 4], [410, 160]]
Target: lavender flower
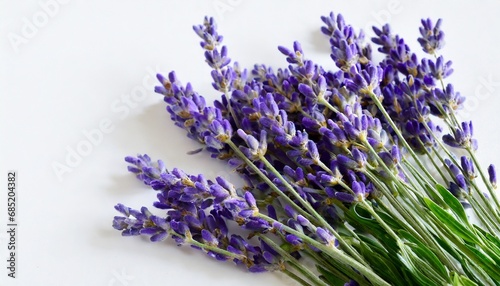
[[345, 56], [255, 148], [462, 137], [493, 176], [295, 56], [449, 99], [365, 81], [432, 37], [187, 199], [439, 69], [317, 150], [333, 23]]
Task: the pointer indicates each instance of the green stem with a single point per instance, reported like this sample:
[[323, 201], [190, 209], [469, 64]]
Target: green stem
[[333, 252], [303, 270], [409, 194], [381, 108], [495, 219], [325, 264], [443, 147], [313, 212], [478, 166], [402, 186], [417, 176], [270, 183], [412, 219], [296, 278], [414, 182], [397, 205], [485, 180], [458, 243], [370, 209], [436, 152], [481, 213], [494, 216], [323, 101], [433, 161], [381, 221], [341, 271], [214, 249]]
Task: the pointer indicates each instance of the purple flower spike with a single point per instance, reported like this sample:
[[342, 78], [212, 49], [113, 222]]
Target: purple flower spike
[[290, 211], [325, 236], [303, 221], [461, 182], [351, 283], [292, 239], [347, 162], [219, 193], [250, 200], [271, 212], [221, 129], [301, 119], [257, 269], [312, 150], [440, 69], [385, 39], [359, 157], [359, 189], [344, 197], [493, 175], [345, 56], [462, 137], [255, 148], [257, 224], [332, 24], [306, 90], [387, 158], [365, 81], [396, 154], [295, 56], [208, 237], [432, 37], [467, 167]]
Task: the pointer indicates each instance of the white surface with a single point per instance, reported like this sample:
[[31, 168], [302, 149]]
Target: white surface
[[72, 73]]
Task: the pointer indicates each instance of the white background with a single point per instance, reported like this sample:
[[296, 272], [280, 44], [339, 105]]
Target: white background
[[77, 67]]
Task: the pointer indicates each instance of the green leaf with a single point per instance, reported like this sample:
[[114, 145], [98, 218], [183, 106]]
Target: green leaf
[[453, 203], [477, 274], [447, 219], [416, 275], [329, 277], [426, 254], [383, 261], [490, 238], [484, 258], [362, 220], [460, 280], [450, 249], [374, 244], [388, 220], [490, 246], [467, 282], [435, 197]]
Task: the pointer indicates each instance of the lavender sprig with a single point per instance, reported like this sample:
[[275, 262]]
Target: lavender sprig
[[325, 156]]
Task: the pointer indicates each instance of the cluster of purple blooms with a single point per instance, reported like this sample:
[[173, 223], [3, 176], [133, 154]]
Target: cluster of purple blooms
[[301, 137], [197, 210]]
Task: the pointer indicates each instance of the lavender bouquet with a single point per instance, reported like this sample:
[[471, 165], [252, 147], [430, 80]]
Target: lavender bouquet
[[333, 164]]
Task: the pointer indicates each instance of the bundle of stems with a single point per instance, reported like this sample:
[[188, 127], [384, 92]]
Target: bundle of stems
[[365, 170]]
